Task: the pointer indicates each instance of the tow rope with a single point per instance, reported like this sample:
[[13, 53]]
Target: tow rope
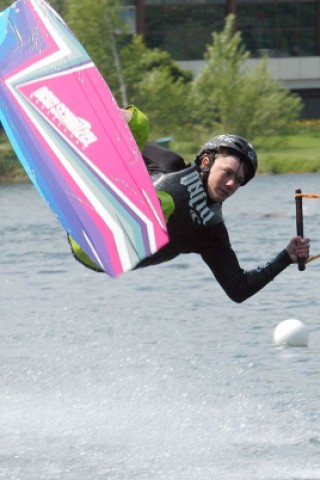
[[299, 223]]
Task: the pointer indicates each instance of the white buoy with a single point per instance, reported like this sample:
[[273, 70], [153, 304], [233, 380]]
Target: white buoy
[[291, 332]]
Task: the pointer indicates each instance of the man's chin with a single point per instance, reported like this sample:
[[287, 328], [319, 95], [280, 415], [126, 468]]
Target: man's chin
[[222, 197], [219, 196]]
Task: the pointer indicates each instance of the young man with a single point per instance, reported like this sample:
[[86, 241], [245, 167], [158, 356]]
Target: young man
[[191, 198]]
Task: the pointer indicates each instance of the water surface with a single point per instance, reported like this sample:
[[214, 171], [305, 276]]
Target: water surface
[[157, 375]]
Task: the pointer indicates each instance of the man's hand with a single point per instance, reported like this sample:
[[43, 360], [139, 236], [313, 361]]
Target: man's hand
[[127, 114], [298, 247]]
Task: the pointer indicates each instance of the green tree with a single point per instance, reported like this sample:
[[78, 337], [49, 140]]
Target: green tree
[[157, 85], [58, 5], [164, 101], [139, 60], [4, 4], [267, 108], [98, 27], [229, 96]]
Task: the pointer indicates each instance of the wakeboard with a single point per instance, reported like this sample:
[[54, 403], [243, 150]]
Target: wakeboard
[[71, 138]]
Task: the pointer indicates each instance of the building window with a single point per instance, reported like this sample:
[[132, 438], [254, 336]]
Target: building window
[[182, 29], [280, 28]]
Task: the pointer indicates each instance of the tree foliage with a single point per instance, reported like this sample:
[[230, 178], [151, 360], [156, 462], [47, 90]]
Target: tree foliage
[[239, 100], [164, 100], [58, 5], [226, 96], [95, 23], [137, 60], [157, 84], [267, 109], [4, 4]]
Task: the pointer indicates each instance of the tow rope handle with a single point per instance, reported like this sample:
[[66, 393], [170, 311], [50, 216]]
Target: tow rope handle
[[299, 223]]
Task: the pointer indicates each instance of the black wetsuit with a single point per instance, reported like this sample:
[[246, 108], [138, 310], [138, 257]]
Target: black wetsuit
[[196, 226]]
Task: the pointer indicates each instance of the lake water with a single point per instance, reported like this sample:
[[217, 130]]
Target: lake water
[[157, 375]]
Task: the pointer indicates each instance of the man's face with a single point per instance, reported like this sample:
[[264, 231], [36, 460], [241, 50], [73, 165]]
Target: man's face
[[225, 177]]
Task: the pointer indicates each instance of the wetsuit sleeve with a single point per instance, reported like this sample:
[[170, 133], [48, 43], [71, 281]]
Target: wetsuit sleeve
[[159, 159], [239, 284], [139, 126]]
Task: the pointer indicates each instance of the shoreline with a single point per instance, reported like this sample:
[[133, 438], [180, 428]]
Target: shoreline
[[20, 177], [15, 176]]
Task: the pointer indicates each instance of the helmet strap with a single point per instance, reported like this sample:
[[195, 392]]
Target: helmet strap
[[205, 169]]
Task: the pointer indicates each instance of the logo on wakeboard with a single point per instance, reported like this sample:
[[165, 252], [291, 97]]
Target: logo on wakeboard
[[78, 127]]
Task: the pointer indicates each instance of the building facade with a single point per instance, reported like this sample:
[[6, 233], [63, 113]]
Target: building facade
[[288, 31]]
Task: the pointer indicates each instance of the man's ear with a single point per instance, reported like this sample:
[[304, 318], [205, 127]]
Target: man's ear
[[205, 161]]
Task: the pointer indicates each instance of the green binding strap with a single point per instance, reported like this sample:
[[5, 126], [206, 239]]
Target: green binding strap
[[81, 255], [167, 204], [139, 125]]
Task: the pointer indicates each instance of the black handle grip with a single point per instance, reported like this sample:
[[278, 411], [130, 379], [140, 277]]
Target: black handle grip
[[299, 222]]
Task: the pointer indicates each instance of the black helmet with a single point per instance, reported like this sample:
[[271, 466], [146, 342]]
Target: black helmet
[[240, 145]]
